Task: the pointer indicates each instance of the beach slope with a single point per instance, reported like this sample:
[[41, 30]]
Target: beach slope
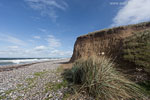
[[32, 81]]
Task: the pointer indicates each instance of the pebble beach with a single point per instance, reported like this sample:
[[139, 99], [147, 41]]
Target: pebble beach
[[32, 81]]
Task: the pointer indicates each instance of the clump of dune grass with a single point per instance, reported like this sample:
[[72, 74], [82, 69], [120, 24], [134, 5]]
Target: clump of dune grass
[[99, 79]]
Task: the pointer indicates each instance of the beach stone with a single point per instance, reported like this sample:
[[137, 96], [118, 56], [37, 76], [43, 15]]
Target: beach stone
[[50, 95], [27, 85]]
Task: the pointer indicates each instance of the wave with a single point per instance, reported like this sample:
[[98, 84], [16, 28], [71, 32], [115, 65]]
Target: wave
[[19, 61]]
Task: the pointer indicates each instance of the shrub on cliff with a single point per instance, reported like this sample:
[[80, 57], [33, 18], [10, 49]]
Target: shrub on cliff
[[136, 49], [98, 78]]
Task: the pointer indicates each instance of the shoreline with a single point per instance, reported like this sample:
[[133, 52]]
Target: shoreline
[[16, 66]]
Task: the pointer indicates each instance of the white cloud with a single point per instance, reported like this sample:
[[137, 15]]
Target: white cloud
[[35, 52], [38, 51], [40, 48], [11, 39], [36, 37], [53, 42], [134, 11], [60, 53], [13, 47], [48, 7]]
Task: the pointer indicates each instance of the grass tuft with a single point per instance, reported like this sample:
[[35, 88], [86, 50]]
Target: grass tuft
[[99, 79], [54, 86], [38, 74], [146, 86]]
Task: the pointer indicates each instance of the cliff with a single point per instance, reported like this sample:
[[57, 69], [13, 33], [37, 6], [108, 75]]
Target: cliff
[[108, 41]]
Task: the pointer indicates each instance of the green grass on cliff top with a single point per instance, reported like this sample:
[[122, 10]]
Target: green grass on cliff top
[[136, 49]]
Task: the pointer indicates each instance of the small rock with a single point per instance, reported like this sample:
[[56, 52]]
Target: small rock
[[50, 95]]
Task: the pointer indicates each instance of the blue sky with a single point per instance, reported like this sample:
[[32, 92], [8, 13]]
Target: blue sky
[[49, 28]]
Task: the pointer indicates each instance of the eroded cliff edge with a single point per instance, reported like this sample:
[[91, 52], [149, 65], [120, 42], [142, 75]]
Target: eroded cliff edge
[[107, 41]]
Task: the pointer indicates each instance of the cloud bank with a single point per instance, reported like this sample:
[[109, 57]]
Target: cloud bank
[[11, 39], [15, 47], [53, 42], [134, 11]]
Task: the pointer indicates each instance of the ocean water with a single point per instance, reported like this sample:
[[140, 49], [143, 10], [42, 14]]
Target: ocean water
[[14, 61]]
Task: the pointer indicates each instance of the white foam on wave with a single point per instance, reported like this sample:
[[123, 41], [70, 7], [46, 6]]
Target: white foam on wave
[[18, 61]]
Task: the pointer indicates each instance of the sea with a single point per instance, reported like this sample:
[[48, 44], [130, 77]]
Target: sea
[[15, 61]]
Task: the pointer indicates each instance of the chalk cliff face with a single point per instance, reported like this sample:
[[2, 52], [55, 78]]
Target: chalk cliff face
[[108, 41]]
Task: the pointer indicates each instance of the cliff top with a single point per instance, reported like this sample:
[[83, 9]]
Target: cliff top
[[114, 29]]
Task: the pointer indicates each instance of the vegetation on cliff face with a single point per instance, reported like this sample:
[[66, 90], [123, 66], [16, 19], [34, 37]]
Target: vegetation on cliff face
[[136, 49], [99, 79]]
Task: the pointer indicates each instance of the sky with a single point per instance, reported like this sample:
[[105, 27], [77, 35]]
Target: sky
[[49, 28]]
